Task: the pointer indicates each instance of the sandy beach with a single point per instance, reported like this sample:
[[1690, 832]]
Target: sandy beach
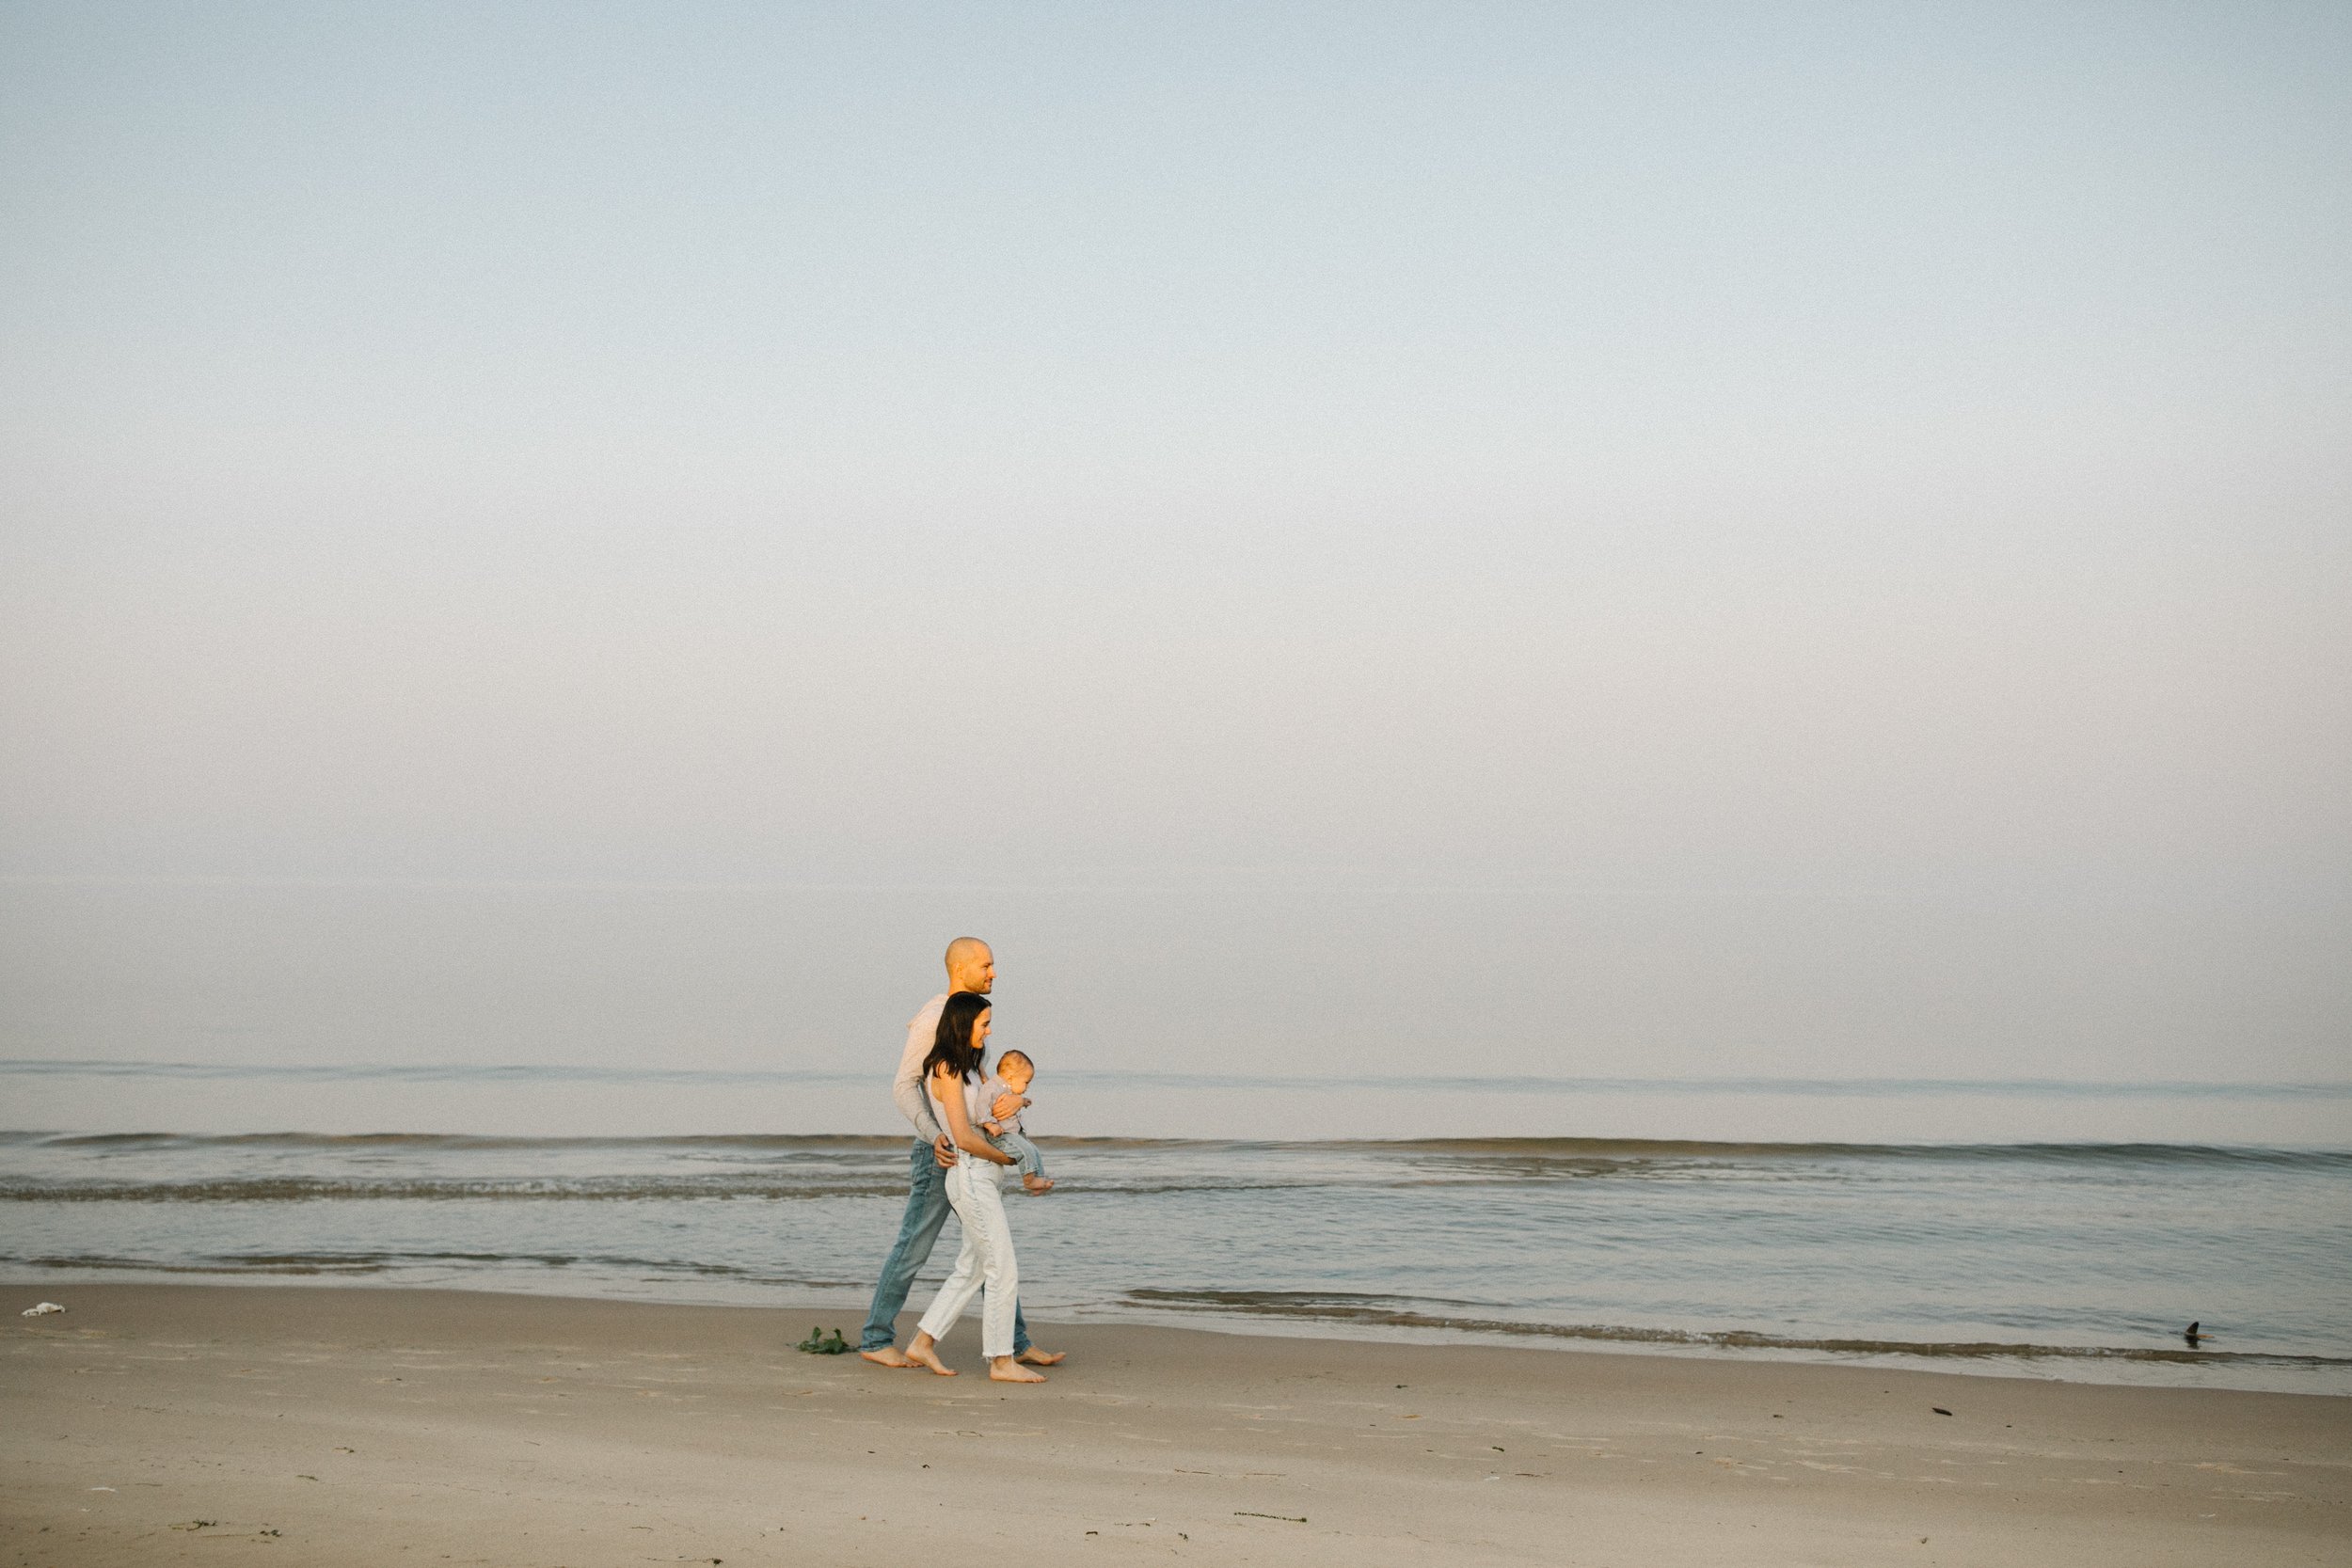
[[160, 1423]]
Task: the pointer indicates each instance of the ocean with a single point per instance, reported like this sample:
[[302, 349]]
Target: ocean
[[2038, 1230]]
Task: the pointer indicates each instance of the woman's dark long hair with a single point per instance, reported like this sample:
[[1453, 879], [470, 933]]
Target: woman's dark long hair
[[953, 1044]]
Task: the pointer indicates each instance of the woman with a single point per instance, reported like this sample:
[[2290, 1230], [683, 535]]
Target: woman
[[951, 1076]]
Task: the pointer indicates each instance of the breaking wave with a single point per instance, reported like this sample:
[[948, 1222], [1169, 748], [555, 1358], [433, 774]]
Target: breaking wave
[[1497, 1153], [1350, 1308]]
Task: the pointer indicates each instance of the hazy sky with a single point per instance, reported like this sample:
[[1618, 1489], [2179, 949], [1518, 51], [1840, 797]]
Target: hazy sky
[[1647, 538]]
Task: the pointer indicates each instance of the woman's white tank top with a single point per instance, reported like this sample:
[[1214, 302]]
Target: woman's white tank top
[[973, 1109]]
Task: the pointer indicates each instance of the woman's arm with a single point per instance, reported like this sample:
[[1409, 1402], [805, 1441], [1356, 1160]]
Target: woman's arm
[[959, 1122]]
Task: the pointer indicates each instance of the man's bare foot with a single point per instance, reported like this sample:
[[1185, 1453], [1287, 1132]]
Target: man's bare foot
[[921, 1353], [1036, 1357], [889, 1356], [1005, 1369], [1034, 1185]]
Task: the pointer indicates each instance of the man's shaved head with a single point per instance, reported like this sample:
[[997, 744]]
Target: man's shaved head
[[970, 965]]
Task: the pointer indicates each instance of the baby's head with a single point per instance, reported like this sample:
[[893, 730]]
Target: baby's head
[[1016, 1071]]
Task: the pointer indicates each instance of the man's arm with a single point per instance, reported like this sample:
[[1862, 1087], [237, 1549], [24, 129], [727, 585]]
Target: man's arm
[[915, 1106], [906, 1090]]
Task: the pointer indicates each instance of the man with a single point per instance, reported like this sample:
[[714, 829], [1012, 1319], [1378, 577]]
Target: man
[[970, 967]]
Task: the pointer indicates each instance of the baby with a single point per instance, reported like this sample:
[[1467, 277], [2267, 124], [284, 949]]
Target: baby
[[1005, 1093]]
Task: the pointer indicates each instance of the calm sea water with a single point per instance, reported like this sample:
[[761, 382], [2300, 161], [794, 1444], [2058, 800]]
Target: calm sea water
[[2044, 1229]]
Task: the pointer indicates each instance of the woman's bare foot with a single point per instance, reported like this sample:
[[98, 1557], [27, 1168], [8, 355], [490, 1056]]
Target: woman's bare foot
[[889, 1356], [921, 1353], [1036, 1357], [1034, 1185], [1004, 1369]]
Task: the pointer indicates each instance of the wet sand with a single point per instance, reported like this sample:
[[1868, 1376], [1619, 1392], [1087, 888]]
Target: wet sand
[[362, 1426]]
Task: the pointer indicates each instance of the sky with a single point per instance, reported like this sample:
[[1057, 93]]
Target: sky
[[1587, 538]]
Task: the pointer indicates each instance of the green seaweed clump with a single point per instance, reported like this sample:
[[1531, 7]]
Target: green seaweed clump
[[817, 1344]]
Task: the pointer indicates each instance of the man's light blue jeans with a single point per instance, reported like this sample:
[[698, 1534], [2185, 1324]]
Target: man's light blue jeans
[[927, 1211]]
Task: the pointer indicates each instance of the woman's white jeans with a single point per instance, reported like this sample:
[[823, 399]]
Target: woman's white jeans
[[985, 1259]]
